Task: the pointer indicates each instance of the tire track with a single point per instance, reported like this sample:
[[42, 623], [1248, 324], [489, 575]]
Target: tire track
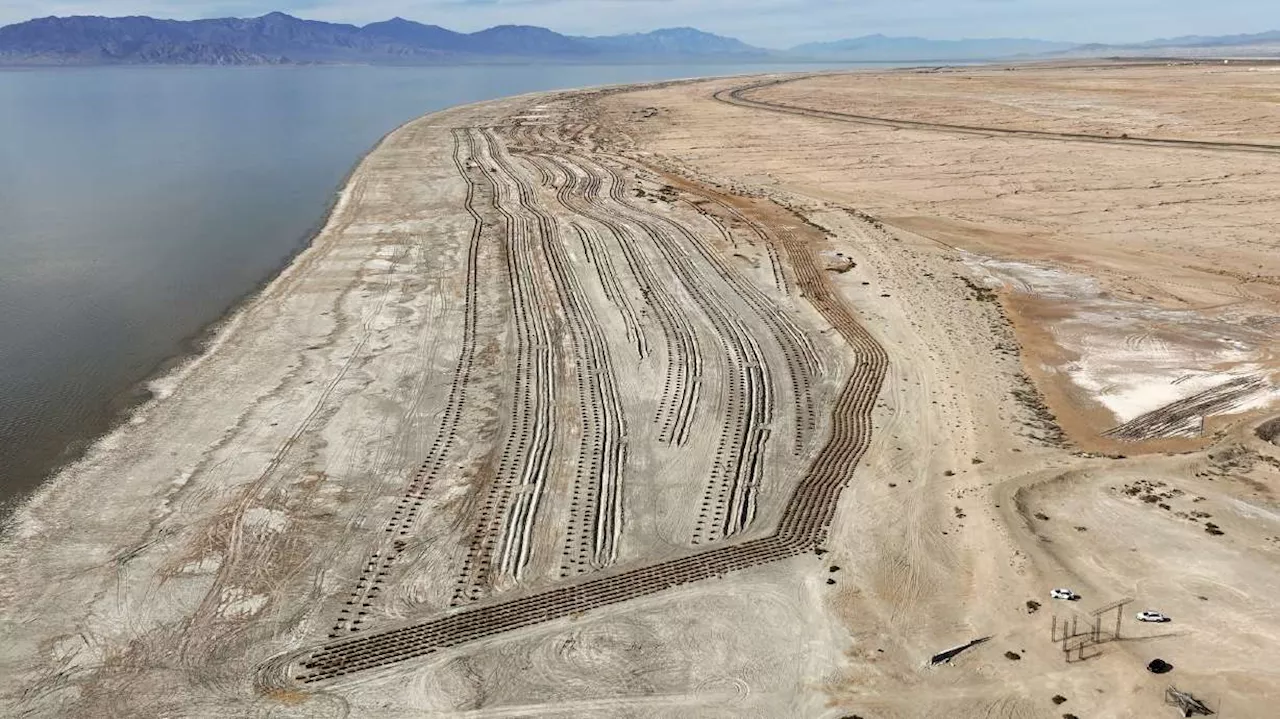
[[595, 521], [734, 96], [378, 564], [802, 528], [501, 540], [679, 397]]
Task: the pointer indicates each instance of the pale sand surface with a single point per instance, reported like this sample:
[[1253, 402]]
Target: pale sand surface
[[551, 418]]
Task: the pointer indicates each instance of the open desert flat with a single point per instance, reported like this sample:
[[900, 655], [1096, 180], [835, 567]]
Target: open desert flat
[[745, 397]]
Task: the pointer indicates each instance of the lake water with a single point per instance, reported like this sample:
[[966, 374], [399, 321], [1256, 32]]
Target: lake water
[[137, 205]]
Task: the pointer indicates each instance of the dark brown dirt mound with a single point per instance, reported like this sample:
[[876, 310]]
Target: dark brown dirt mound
[[1269, 431]]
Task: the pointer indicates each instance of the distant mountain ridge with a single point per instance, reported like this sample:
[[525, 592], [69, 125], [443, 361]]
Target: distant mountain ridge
[[277, 38], [677, 40], [880, 47], [1262, 45], [1271, 36]]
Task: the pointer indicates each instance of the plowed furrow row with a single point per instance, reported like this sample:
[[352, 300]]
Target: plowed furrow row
[[501, 538], [527, 473], [728, 505], [596, 516], [802, 527], [595, 521], [684, 358], [802, 360], [812, 505], [1186, 416], [566, 183], [379, 563]]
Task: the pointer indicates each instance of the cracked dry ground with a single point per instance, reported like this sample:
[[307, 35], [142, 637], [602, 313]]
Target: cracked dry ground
[[643, 403]]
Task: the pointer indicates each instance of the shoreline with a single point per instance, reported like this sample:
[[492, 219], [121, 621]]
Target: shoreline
[[122, 402], [466, 452], [126, 406], [123, 406]]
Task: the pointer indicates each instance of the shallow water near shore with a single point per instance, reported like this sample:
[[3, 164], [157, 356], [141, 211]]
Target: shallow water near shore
[[138, 205]]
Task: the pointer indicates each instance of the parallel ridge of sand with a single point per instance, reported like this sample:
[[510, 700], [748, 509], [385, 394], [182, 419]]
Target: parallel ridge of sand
[[641, 402]]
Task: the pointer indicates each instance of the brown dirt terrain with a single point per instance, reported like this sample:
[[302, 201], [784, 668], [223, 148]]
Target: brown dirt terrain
[[1136, 289], [665, 401]]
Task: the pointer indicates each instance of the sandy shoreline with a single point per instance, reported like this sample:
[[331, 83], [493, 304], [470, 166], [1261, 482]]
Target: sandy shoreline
[[124, 404], [169, 370], [704, 410], [158, 382]]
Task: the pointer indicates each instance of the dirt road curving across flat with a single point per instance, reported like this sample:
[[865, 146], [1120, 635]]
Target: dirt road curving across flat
[[742, 96]]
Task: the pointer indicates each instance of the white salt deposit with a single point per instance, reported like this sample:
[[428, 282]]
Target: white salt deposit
[[1132, 358]]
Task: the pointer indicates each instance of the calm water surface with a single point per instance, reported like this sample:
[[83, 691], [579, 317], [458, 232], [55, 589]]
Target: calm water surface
[[137, 205]]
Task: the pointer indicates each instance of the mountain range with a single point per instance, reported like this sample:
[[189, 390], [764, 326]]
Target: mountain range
[[880, 47], [277, 38]]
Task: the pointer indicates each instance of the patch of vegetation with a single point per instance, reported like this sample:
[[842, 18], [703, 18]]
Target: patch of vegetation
[[980, 293], [1269, 431], [859, 214], [1042, 418]]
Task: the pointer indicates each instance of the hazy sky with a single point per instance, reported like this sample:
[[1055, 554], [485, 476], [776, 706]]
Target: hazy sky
[[770, 23]]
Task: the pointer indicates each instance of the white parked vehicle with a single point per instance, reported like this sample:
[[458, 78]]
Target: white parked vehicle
[[1150, 616], [1066, 594]]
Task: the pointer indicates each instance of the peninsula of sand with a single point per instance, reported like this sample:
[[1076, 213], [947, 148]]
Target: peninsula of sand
[[785, 396]]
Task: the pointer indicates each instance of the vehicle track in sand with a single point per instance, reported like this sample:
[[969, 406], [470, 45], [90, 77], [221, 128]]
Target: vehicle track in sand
[[378, 565], [735, 96], [501, 542], [595, 515], [801, 528], [679, 397]]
